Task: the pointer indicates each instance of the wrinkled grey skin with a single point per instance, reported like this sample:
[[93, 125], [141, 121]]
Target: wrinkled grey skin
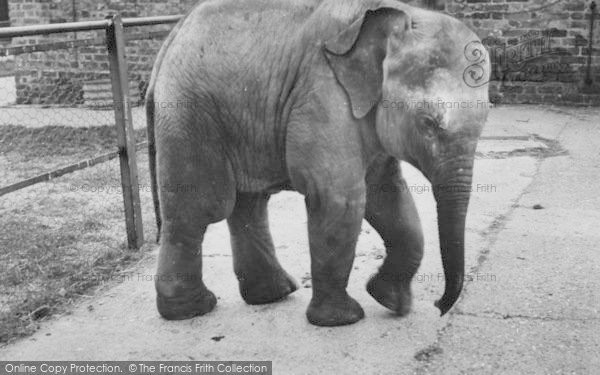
[[251, 97]]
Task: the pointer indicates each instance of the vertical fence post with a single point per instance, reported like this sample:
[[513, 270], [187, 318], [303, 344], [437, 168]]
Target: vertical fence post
[[126, 141], [588, 73]]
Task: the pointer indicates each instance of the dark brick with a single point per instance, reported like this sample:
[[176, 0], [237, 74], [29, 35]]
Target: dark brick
[[548, 89], [568, 77], [575, 98], [573, 59], [556, 33], [580, 40], [513, 89], [576, 15], [513, 33], [536, 98], [480, 15], [493, 7], [579, 24], [586, 51], [574, 5]]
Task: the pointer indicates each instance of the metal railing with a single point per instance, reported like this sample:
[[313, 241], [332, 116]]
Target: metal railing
[[55, 28], [115, 43]]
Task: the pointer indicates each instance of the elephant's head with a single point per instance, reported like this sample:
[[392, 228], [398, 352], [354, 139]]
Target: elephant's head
[[417, 74]]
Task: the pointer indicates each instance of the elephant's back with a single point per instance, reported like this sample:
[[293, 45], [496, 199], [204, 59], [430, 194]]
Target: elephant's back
[[224, 64], [232, 46], [237, 28]]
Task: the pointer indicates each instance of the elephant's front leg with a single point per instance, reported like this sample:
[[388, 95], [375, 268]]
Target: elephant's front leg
[[392, 212], [334, 221], [261, 277]]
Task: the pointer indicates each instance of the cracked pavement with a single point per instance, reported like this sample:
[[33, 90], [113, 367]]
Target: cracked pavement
[[530, 305]]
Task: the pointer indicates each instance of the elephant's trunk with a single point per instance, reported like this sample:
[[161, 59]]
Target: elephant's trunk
[[452, 196]]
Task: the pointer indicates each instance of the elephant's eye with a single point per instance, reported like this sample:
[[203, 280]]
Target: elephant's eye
[[429, 125], [429, 122]]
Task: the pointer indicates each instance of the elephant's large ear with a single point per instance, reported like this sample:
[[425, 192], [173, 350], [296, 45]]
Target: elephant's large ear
[[356, 55]]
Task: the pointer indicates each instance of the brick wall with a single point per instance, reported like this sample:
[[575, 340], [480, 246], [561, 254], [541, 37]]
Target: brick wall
[[539, 48], [57, 77]]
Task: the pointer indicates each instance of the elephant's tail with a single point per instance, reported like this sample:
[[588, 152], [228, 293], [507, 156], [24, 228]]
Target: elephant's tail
[[152, 157], [150, 116]]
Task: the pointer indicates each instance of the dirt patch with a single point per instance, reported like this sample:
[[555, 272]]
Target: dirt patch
[[547, 148], [425, 355]]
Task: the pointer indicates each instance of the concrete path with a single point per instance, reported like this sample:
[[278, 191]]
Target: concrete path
[[543, 314], [531, 307]]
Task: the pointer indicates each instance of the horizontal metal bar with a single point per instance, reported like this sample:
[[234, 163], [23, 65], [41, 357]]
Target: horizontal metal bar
[[65, 27], [77, 43], [65, 170], [31, 48], [148, 21]]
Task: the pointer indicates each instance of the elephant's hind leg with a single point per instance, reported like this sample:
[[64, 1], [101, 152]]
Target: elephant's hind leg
[[392, 212], [261, 277], [196, 188]]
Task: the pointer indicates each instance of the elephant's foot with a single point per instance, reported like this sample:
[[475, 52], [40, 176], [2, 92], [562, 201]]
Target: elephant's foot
[[334, 311], [267, 289], [186, 304], [391, 293]]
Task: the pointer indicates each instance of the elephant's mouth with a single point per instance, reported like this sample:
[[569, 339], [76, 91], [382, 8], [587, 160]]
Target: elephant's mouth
[[279, 186], [414, 163]]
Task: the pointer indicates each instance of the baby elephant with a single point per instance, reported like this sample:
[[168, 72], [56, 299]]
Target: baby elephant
[[323, 97]]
